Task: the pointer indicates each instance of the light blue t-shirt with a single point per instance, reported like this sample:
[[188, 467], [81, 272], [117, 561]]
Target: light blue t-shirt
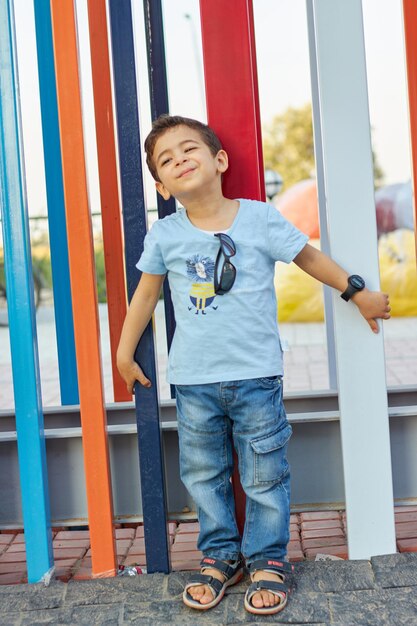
[[233, 336]]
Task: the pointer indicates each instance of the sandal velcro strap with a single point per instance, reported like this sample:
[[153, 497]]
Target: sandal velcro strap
[[268, 585], [225, 568], [272, 565], [204, 579]]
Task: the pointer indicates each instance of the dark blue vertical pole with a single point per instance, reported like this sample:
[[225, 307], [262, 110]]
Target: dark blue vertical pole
[[158, 88], [155, 44], [21, 310], [134, 224], [56, 206]]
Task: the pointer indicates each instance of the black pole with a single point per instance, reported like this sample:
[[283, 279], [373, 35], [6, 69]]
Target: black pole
[[158, 89], [134, 224]]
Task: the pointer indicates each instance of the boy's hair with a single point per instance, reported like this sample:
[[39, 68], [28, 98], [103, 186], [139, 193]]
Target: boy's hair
[[166, 122]]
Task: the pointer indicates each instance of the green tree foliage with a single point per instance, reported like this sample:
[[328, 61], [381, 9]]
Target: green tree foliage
[[100, 273], [378, 171], [288, 146]]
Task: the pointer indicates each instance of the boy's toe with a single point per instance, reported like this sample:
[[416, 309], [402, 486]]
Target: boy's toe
[[196, 592], [268, 598], [257, 600], [264, 598], [273, 599], [207, 597], [201, 593]]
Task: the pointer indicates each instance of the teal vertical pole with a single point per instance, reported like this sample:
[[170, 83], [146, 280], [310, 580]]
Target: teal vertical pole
[[56, 205], [21, 311]]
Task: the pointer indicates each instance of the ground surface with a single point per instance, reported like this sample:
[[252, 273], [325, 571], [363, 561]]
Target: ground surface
[[380, 592]]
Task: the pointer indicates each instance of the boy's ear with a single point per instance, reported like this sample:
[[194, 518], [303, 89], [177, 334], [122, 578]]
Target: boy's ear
[[162, 190], [222, 161]]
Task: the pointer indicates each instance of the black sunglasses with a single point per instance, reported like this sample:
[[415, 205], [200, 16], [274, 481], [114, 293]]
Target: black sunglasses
[[224, 280]]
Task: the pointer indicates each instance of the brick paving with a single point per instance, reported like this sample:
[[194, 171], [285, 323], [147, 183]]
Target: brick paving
[[305, 362], [311, 533]]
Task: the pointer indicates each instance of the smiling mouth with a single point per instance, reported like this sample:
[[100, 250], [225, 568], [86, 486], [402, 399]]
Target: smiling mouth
[[191, 169]]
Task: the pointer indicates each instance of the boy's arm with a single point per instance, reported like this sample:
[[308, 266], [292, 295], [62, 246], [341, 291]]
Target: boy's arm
[[139, 313], [371, 304]]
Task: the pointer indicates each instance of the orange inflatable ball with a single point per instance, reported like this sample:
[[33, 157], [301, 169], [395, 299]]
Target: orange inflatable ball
[[299, 205]]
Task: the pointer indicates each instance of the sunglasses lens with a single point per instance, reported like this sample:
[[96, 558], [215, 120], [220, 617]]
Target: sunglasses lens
[[227, 244], [228, 277], [225, 272]]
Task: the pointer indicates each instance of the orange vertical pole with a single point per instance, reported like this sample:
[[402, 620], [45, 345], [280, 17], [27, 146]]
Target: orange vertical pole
[[109, 194], [410, 32], [83, 288]]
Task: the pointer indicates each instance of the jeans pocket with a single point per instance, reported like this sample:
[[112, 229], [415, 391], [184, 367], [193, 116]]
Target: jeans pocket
[[269, 382], [270, 452]]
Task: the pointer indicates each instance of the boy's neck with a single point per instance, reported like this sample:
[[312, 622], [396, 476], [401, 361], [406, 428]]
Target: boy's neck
[[216, 212]]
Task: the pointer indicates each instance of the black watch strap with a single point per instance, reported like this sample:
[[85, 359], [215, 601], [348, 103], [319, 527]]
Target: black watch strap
[[355, 284], [348, 293]]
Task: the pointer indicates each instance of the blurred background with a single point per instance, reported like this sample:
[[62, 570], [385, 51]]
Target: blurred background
[[285, 103]]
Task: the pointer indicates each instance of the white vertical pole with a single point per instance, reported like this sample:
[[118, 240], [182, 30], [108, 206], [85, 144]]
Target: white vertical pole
[[348, 180], [321, 196]]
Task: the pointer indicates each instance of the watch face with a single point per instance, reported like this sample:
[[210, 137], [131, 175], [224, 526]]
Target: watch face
[[357, 281]]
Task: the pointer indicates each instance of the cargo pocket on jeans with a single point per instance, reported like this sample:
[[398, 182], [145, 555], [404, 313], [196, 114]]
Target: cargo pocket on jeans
[[270, 456]]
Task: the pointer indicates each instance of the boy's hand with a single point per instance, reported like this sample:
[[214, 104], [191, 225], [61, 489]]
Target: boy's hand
[[131, 372], [372, 305]]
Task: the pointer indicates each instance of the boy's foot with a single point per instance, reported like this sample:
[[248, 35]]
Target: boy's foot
[[206, 589], [265, 598], [268, 592], [203, 593]]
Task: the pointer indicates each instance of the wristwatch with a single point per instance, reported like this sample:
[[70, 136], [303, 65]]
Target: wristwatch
[[355, 284]]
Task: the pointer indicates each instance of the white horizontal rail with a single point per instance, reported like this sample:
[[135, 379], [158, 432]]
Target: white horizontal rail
[[129, 429]]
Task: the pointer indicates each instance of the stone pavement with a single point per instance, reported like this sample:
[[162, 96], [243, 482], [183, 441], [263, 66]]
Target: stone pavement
[[379, 592]]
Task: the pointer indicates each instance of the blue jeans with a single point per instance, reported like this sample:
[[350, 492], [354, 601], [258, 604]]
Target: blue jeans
[[249, 414]]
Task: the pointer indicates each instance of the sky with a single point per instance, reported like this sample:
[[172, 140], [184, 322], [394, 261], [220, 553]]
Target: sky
[[283, 73]]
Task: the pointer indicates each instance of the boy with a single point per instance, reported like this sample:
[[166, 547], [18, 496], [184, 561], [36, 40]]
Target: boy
[[226, 358]]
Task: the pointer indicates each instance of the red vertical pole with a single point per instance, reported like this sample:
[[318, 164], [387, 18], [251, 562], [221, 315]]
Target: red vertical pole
[[410, 32], [109, 193], [232, 92], [83, 289], [233, 112]]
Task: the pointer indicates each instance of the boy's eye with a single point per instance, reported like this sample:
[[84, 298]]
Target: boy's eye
[[190, 148], [165, 161]]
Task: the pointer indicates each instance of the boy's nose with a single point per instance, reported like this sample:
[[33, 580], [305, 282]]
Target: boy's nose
[[181, 159]]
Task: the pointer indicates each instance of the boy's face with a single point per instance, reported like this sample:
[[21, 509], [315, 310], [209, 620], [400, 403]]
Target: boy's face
[[185, 165]]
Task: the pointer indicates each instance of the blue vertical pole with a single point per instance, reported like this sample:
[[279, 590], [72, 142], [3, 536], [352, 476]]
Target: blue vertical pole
[[21, 311], [134, 224], [56, 206], [158, 89]]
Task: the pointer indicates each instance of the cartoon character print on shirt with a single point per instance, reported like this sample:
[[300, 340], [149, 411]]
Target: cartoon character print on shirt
[[201, 271]]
